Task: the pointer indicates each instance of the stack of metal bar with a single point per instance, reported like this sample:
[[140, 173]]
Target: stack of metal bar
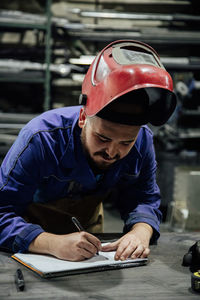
[[79, 29]]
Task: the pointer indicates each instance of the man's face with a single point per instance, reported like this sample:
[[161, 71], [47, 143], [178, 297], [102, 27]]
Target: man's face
[[105, 142]]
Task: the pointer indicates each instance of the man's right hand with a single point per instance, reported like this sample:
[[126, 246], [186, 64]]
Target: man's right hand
[[75, 246]]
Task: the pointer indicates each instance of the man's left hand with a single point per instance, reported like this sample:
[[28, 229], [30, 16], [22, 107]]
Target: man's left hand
[[134, 244]]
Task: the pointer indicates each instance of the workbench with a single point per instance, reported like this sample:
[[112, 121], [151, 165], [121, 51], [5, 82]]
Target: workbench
[[162, 278]]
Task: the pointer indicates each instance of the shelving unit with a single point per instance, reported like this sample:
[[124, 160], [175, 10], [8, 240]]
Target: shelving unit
[[43, 24]]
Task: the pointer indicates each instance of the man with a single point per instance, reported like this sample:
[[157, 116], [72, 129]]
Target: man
[[66, 161]]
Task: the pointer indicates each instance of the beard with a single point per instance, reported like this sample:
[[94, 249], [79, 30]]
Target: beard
[[96, 166]]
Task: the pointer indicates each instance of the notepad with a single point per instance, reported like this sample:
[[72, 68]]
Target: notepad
[[48, 266]]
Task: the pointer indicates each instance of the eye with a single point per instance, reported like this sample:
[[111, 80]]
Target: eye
[[126, 143], [102, 140]]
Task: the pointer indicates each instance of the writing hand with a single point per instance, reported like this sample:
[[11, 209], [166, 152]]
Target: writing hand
[[74, 246]]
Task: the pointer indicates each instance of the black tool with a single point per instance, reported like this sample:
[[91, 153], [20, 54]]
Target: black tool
[[192, 259], [195, 281], [19, 280]]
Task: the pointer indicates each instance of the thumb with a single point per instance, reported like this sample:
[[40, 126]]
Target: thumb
[[110, 246]]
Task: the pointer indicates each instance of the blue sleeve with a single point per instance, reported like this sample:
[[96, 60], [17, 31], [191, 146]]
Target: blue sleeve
[[18, 181], [141, 195]]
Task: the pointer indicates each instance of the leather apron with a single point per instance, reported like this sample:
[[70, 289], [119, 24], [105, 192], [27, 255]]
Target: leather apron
[[55, 217]]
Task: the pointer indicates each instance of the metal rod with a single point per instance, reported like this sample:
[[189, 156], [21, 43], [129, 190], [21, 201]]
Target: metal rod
[[47, 87], [135, 16]]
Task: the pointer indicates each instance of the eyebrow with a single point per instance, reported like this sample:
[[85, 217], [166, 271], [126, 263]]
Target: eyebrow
[[109, 139]]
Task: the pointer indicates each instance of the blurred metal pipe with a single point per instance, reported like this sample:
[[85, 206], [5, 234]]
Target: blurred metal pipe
[[15, 118], [7, 138], [135, 16]]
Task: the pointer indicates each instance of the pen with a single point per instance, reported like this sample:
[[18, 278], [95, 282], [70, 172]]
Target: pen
[[79, 226], [19, 280]]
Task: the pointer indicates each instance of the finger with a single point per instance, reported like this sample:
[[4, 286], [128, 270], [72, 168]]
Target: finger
[[84, 253], [127, 252], [121, 248], [110, 247], [138, 251], [145, 253], [85, 244], [94, 241], [90, 247]]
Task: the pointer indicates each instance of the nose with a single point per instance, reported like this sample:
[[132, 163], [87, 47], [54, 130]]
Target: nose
[[112, 150]]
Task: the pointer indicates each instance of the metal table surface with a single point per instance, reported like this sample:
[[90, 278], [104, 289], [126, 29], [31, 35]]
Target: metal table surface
[[162, 278]]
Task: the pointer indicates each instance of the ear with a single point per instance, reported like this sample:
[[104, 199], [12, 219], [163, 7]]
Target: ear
[[82, 118]]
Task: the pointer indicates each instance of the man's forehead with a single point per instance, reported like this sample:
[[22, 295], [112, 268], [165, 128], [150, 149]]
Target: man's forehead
[[109, 129]]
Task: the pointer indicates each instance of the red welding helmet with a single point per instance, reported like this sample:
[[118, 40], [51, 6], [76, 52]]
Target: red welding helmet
[[128, 67]]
